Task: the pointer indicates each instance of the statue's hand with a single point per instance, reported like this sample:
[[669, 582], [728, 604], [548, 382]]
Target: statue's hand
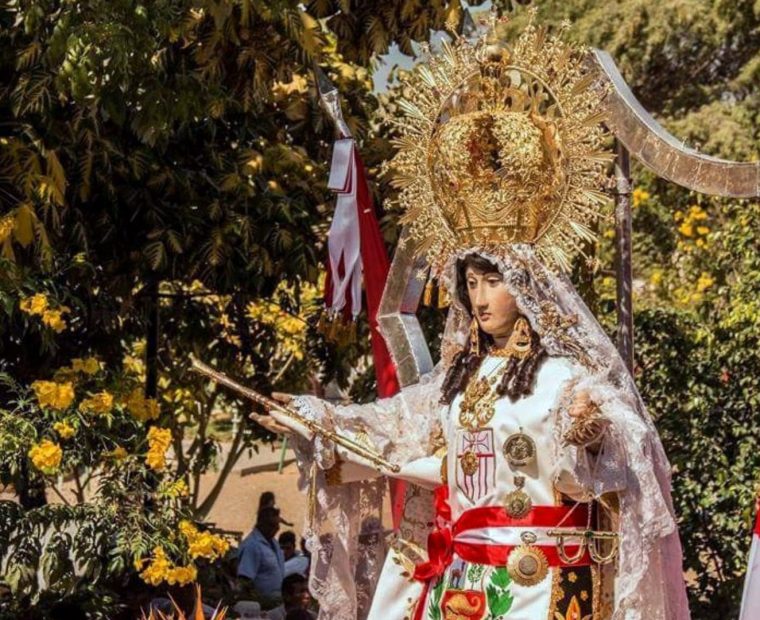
[[582, 406], [268, 422], [588, 424]]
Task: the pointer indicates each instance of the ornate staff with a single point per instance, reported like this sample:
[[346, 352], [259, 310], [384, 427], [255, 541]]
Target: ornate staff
[[315, 427]]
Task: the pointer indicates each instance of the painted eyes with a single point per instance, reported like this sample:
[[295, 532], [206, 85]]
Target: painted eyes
[[492, 281]]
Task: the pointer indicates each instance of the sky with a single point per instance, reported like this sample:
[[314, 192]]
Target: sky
[[394, 57]]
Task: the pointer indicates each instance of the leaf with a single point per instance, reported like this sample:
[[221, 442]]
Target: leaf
[[155, 252], [58, 176], [24, 229]]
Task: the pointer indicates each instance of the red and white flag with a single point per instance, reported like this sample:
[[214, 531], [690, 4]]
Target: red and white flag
[[750, 609], [356, 252]]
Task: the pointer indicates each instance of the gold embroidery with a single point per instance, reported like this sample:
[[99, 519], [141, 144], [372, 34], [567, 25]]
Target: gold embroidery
[[601, 610], [557, 593]]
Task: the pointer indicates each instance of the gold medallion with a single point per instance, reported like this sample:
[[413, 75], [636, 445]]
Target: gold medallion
[[527, 564], [445, 469], [477, 406], [469, 463], [519, 449], [518, 503]]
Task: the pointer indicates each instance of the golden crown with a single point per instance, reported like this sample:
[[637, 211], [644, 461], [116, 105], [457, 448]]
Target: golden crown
[[502, 143]]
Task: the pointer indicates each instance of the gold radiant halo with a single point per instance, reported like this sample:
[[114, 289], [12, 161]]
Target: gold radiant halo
[[502, 143]]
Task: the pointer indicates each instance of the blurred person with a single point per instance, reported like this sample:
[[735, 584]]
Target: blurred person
[[295, 561], [295, 598], [266, 499], [260, 558]]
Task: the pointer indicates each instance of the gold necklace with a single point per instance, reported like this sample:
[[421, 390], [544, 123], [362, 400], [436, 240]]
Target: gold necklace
[[477, 406]]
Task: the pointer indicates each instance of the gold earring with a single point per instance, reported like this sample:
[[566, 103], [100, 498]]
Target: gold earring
[[474, 337], [520, 341]]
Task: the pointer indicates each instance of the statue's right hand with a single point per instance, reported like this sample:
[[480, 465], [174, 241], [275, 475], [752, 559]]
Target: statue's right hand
[[269, 423]]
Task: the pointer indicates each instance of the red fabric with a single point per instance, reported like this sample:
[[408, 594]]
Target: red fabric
[[539, 516], [496, 555], [375, 266]]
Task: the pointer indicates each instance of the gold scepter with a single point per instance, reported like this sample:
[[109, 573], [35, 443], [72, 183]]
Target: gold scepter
[[315, 427]]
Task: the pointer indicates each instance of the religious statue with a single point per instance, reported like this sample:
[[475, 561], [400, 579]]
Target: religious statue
[[540, 487]]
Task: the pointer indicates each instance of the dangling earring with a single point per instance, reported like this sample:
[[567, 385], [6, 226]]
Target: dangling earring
[[520, 341], [475, 337]]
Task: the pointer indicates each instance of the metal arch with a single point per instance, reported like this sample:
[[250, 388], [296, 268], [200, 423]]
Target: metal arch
[[639, 134], [663, 153]]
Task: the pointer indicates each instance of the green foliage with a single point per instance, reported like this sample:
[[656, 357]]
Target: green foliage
[[498, 593]]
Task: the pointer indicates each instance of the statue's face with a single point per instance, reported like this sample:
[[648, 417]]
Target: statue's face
[[492, 304]]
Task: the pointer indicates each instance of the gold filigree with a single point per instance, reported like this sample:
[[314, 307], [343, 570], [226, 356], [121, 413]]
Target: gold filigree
[[501, 143]]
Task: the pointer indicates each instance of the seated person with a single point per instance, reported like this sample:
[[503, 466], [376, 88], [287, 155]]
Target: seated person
[[295, 561], [295, 599]]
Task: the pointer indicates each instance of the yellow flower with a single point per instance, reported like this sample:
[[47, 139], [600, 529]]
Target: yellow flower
[[141, 408], [703, 230], [64, 430], [704, 282], [656, 278], [99, 403], [181, 575], [54, 395], [54, 319], [7, 225], [203, 544], [46, 456], [177, 489], [118, 453], [686, 229], [158, 568], [133, 365], [88, 366], [187, 529], [159, 440], [36, 304], [639, 196]]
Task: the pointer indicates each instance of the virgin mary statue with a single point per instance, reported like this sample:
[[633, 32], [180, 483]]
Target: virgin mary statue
[[543, 491]]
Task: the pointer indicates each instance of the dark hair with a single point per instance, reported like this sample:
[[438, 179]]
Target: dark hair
[[267, 512], [519, 374], [287, 538], [267, 497], [289, 583]]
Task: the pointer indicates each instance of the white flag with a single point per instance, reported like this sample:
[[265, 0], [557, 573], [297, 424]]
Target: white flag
[[750, 609]]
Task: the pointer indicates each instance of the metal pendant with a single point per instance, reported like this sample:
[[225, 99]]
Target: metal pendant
[[469, 463], [518, 503], [527, 564], [519, 449]]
